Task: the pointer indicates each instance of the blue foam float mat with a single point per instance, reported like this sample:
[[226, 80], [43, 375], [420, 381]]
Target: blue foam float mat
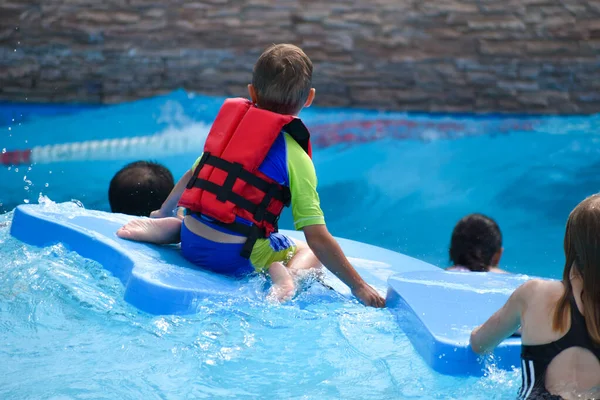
[[157, 279], [438, 310]]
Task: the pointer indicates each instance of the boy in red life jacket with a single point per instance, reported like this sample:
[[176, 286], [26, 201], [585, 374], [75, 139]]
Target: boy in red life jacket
[[256, 161]]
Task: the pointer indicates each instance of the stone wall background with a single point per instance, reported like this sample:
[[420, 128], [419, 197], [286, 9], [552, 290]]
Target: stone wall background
[[428, 55]]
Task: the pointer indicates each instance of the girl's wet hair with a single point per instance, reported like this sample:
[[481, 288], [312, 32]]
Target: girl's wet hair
[[475, 240], [582, 252]]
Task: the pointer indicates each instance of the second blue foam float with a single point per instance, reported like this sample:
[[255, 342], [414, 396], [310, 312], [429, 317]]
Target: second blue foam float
[[439, 309]]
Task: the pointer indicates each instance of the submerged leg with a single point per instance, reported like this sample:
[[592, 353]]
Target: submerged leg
[[304, 260], [283, 285], [158, 231]]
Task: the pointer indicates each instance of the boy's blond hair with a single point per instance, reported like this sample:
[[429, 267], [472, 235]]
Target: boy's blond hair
[[282, 79]]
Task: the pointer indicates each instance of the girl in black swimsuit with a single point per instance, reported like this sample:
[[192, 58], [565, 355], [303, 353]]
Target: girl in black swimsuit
[[535, 359], [556, 317]]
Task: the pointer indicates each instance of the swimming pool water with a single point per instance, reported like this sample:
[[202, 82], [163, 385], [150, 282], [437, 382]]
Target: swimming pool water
[[17, 113], [67, 333]]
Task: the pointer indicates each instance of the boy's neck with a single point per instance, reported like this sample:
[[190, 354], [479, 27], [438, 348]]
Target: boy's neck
[[260, 108]]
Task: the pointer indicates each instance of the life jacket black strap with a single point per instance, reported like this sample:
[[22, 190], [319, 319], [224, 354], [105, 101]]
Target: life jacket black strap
[[236, 171], [259, 213], [297, 130], [261, 210], [193, 179], [225, 192]]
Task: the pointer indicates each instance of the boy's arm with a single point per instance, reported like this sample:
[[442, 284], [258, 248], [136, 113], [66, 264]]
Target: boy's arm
[[166, 210], [329, 252], [308, 217]]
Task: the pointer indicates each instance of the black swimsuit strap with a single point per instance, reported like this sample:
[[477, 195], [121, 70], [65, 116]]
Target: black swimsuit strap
[[536, 358], [576, 317], [578, 333]]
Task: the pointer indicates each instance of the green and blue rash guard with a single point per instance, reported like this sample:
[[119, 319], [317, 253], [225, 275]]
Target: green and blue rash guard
[[289, 165]]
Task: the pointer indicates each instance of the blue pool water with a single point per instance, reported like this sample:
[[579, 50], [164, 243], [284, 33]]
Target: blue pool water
[[399, 182], [67, 333], [17, 113]]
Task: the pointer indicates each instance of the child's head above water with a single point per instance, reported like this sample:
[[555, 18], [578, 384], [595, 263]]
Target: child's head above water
[[476, 243], [140, 188], [282, 80]]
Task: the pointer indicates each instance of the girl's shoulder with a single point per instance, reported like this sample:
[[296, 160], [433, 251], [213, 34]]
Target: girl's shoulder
[[540, 292]]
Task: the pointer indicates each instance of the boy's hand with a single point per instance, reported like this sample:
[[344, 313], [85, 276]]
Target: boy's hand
[[329, 252], [369, 296]]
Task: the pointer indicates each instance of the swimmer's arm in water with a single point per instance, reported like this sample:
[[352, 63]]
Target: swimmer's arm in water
[[329, 252], [166, 210], [504, 323]]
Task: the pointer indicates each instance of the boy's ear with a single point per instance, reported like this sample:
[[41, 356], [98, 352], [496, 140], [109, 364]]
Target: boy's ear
[[496, 257], [311, 97], [252, 93]]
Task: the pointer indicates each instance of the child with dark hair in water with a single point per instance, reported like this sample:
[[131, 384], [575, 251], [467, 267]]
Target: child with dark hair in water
[[140, 188], [476, 245]]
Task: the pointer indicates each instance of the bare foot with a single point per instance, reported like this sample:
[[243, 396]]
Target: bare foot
[[158, 231], [281, 293]]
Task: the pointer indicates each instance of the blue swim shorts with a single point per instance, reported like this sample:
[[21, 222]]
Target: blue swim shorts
[[225, 258]]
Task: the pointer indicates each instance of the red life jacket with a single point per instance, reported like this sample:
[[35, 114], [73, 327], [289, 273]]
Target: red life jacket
[[227, 183]]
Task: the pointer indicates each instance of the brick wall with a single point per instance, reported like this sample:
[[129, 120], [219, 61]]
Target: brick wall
[[429, 55]]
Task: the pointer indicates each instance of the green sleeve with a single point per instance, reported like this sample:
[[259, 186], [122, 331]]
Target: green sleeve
[[197, 162], [306, 206]]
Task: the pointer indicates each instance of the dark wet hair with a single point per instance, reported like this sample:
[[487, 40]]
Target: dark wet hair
[[582, 252], [282, 78], [475, 240], [140, 188]]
